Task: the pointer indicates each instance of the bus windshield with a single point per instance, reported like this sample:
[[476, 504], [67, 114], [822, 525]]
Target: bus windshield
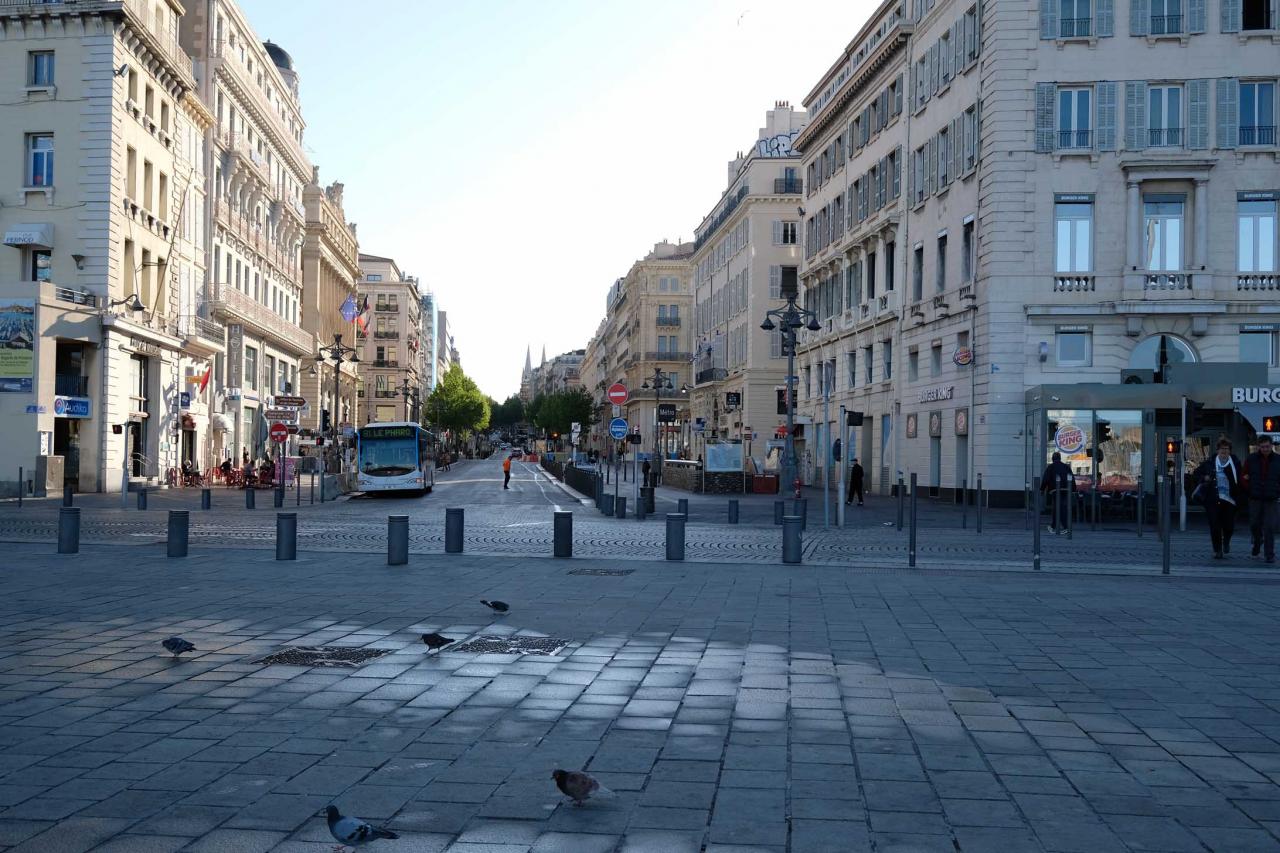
[[388, 457]]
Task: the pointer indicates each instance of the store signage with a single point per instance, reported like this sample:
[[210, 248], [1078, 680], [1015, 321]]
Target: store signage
[[1073, 198], [1255, 395], [666, 412], [235, 359], [732, 399], [184, 399], [33, 236], [1069, 439], [1260, 327], [962, 422], [1258, 195], [930, 395], [71, 407], [144, 347], [912, 425], [963, 357]]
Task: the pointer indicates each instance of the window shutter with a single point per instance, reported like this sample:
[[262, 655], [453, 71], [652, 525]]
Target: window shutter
[[885, 181], [777, 232], [897, 97], [1198, 114], [935, 66], [897, 172], [884, 108], [1135, 115], [1230, 18], [1048, 19], [1044, 116], [930, 167], [1106, 135], [1196, 14], [1105, 18], [1139, 20], [957, 146], [1228, 112]]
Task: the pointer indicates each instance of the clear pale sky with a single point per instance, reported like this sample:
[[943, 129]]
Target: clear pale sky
[[518, 156]]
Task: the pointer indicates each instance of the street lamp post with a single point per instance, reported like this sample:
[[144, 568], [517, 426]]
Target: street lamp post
[[661, 382], [337, 353], [790, 317]]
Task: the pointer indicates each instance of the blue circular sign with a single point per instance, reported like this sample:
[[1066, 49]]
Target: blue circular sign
[[618, 428]]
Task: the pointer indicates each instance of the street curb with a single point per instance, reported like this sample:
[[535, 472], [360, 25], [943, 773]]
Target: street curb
[[568, 491]]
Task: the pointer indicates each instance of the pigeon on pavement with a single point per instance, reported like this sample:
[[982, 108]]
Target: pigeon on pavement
[[177, 645], [352, 830], [579, 786], [496, 606], [437, 641]]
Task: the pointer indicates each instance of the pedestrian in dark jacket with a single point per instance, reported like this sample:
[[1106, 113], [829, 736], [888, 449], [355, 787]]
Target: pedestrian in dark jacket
[[1218, 488], [1262, 484], [855, 483], [1057, 482]]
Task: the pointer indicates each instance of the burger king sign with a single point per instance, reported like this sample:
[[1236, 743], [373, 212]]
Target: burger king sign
[[1069, 439]]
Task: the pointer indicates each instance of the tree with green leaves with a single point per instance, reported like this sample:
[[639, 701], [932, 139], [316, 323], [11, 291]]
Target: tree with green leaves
[[457, 404], [508, 413], [557, 412]]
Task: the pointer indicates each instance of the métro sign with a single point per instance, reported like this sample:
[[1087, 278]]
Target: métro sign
[[617, 393], [618, 428]]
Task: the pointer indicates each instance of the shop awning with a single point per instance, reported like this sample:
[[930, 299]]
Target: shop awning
[[34, 236]]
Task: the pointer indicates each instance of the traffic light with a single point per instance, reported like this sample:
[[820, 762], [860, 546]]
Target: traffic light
[[1271, 423], [324, 420], [1104, 432], [1192, 415], [1172, 446]]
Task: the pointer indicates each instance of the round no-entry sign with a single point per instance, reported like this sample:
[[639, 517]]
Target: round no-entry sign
[[279, 433], [617, 393]]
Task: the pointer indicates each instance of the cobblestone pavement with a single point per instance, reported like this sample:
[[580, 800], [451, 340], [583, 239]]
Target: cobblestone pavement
[[733, 708], [518, 522]]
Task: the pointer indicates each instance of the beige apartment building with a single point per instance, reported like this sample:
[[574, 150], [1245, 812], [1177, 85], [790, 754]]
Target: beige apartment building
[[391, 380], [1039, 226], [330, 267], [102, 255], [743, 248]]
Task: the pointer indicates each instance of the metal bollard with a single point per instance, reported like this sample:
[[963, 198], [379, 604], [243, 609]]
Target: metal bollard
[[682, 507], [397, 540], [250, 498], [1035, 527], [640, 508], [179, 530], [620, 506], [792, 548], [733, 511], [277, 498], [606, 504], [801, 509], [1070, 497], [313, 487], [675, 535], [453, 521], [1093, 506], [778, 511], [562, 531], [981, 498], [902, 496], [286, 536], [69, 530], [66, 494], [206, 499], [911, 545], [1141, 507], [964, 504], [142, 498]]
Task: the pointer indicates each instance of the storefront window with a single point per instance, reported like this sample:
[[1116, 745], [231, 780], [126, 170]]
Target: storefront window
[[1158, 350], [1119, 435], [1068, 434]]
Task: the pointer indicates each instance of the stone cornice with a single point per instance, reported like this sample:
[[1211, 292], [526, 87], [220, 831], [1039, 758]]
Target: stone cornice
[[853, 87]]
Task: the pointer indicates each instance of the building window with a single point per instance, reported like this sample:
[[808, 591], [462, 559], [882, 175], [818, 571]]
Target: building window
[[887, 349], [1075, 349], [775, 282], [40, 68], [808, 382], [917, 175], [942, 263], [913, 365], [935, 360], [1257, 113], [1075, 118], [966, 252], [39, 265], [788, 234], [1256, 15], [373, 277], [867, 356], [917, 274], [1163, 233], [888, 267], [251, 367], [1166, 17], [871, 275], [1074, 236], [1164, 116], [1258, 348], [970, 129], [1257, 236], [1075, 20], [851, 366], [39, 159], [943, 147]]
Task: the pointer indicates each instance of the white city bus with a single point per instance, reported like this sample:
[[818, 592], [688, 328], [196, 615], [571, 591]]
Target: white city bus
[[393, 457]]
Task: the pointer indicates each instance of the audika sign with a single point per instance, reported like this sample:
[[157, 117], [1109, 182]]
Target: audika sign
[[72, 407]]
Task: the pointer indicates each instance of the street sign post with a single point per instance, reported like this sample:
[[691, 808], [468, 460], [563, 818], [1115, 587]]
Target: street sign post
[[282, 415], [617, 393], [279, 433], [288, 401], [618, 428]]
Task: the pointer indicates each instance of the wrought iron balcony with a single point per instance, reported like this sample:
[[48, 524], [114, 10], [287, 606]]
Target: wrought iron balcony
[[69, 385], [1164, 137], [788, 186], [1257, 134], [1073, 28], [711, 374], [1163, 25], [1075, 139], [669, 321], [668, 356]]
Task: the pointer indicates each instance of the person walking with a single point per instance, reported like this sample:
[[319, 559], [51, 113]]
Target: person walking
[[506, 473], [855, 482], [645, 468], [1218, 488], [1057, 481], [1262, 485]]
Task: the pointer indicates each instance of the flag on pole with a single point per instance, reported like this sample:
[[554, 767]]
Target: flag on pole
[[349, 309], [361, 318], [204, 380]]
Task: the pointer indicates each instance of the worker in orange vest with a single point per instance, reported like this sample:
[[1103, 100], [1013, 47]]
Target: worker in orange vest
[[506, 473]]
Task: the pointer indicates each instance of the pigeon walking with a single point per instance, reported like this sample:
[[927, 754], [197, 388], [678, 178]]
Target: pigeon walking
[[177, 645], [352, 830], [579, 786], [496, 606], [437, 641]]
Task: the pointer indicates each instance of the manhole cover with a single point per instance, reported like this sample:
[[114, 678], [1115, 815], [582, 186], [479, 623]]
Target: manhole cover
[[608, 572], [512, 645], [335, 656]]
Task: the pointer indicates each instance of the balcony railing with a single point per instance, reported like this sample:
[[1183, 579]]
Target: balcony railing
[[1257, 134], [75, 297], [711, 374], [1166, 280], [203, 328], [242, 308], [788, 186], [667, 356], [668, 321], [1163, 25], [386, 333], [1069, 139], [387, 306], [1257, 281], [67, 385], [1073, 283], [1074, 28], [386, 362], [1164, 137]]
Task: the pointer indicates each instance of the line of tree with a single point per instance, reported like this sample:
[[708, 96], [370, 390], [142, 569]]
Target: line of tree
[[457, 404], [556, 412], [508, 413]]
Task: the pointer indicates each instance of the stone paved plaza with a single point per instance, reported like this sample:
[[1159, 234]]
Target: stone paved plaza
[[739, 708]]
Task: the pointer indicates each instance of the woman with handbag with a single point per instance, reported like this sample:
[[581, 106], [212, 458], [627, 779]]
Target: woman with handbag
[[1218, 479]]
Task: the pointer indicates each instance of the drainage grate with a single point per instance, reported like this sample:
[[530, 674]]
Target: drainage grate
[[334, 656], [613, 573], [486, 645]]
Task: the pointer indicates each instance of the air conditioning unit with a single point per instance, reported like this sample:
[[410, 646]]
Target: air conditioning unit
[[1137, 377]]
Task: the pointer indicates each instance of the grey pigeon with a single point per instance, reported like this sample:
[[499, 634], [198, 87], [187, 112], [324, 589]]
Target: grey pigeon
[[437, 641], [496, 606], [579, 786], [177, 645], [352, 830]]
